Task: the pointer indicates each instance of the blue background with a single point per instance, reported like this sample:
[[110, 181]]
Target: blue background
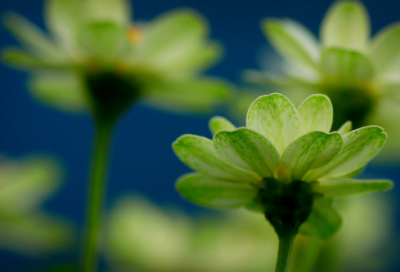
[[142, 158]]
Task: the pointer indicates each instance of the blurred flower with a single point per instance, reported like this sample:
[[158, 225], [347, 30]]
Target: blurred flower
[[365, 243], [209, 242], [139, 233], [94, 51], [360, 75], [285, 163], [24, 186]]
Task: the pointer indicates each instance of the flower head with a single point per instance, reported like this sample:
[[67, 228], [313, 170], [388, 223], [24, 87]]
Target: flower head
[[95, 55], [25, 184], [285, 162], [359, 74]]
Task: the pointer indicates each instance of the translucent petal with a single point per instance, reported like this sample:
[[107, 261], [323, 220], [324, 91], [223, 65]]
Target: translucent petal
[[214, 193], [343, 187], [199, 154], [275, 117], [64, 91], [29, 35], [359, 147], [384, 50], [316, 114], [345, 128], [103, 41], [116, 11], [343, 66], [292, 41], [64, 18], [310, 151], [174, 41], [249, 150], [346, 24], [218, 124]]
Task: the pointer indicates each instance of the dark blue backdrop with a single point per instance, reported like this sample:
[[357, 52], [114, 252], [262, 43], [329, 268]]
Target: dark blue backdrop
[[142, 158]]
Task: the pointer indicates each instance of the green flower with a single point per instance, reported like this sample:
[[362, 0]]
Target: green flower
[[95, 56], [359, 74], [285, 163], [24, 227]]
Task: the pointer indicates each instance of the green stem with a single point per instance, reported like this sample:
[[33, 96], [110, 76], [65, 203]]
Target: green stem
[[97, 186], [285, 249]]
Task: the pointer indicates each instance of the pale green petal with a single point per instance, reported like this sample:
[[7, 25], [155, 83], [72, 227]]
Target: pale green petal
[[213, 193], [346, 24], [316, 114], [248, 150], [175, 41], [275, 117], [323, 222], [341, 66], [384, 51], [187, 95], [64, 91], [343, 187], [104, 42], [199, 154], [359, 147], [292, 41], [218, 124], [27, 183], [27, 60], [310, 151], [64, 18], [37, 234], [345, 128], [32, 37], [117, 11]]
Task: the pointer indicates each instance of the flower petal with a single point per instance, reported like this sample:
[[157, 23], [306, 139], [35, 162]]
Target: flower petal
[[342, 187], [346, 24], [199, 154], [218, 124], [249, 150], [359, 147], [176, 41], [274, 117], [345, 128], [64, 17], [28, 60], [310, 151], [116, 11], [32, 37], [213, 193], [64, 91], [293, 41], [323, 222], [384, 51], [188, 95], [344, 66], [104, 41], [316, 114]]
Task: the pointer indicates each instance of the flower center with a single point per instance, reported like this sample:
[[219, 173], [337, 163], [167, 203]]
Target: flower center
[[285, 205], [111, 93], [135, 35]]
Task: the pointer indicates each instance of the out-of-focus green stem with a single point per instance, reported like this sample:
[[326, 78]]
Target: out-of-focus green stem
[[97, 186], [285, 249]]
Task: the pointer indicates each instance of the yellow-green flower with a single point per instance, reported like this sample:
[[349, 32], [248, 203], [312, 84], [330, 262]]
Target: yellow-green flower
[[95, 52], [24, 186], [202, 244], [285, 163], [359, 73]]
